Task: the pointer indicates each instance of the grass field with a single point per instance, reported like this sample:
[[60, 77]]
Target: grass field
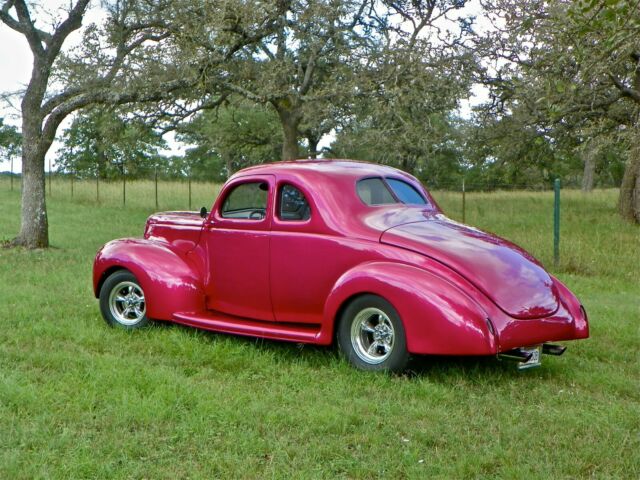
[[81, 400]]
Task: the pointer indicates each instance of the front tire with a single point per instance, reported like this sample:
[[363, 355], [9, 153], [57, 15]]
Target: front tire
[[371, 335], [122, 301]]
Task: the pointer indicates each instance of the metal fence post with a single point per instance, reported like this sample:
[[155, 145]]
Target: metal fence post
[[11, 176], [156, 180], [50, 192], [556, 221], [124, 186], [464, 202], [98, 183]]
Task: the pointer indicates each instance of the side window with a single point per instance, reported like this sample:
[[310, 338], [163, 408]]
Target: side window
[[373, 191], [247, 201], [293, 204], [405, 192]]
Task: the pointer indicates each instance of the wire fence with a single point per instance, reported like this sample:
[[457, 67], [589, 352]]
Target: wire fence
[[160, 192], [156, 193]]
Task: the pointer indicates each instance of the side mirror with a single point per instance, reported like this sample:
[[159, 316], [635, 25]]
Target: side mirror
[[203, 212]]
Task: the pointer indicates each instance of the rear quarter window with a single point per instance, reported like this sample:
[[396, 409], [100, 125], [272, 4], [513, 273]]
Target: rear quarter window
[[406, 192], [373, 191]]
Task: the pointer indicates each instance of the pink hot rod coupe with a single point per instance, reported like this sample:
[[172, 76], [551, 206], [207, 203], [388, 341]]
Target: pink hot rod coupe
[[324, 250]]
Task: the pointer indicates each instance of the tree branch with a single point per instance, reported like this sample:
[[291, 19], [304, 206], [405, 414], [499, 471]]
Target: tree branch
[[34, 36], [624, 90], [73, 22]]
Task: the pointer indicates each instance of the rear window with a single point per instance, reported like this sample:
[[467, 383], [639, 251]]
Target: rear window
[[406, 193], [373, 191], [378, 191]]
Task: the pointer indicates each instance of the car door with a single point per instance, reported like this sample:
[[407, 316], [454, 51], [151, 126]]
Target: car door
[[237, 248], [306, 260]]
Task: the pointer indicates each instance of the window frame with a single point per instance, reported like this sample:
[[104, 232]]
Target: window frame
[[412, 187], [233, 189], [216, 220], [278, 209], [427, 203]]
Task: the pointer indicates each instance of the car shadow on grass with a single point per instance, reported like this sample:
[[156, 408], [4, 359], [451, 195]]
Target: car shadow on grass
[[433, 367]]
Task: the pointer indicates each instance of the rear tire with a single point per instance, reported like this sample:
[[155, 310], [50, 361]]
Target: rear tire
[[122, 301], [371, 336]]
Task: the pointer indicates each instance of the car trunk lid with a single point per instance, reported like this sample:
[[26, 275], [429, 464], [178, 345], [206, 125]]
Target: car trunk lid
[[505, 273]]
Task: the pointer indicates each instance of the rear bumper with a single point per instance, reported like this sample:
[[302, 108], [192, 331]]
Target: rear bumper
[[563, 325]]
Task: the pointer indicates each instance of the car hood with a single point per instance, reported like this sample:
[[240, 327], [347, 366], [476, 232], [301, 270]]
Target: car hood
[[505, 273], [192, 219]]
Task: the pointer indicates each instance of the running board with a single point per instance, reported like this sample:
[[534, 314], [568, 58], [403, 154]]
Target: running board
[[219, 322]]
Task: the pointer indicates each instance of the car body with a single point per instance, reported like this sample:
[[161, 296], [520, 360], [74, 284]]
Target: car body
[[288, 248]]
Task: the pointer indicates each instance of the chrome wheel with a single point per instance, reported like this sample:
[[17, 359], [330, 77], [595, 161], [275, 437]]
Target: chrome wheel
[[372, 335], [126, 303]]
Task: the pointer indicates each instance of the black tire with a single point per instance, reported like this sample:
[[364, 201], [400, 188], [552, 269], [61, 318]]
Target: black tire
[[371, 336], [128, 313]]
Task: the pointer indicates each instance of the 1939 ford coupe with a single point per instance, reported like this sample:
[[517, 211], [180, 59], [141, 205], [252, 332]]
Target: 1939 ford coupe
[[324, 250]]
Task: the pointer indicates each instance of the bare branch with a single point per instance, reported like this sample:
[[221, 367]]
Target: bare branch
[[28, 29], [73, 22]]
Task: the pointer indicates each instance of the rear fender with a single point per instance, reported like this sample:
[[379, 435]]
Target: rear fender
[[438, 317], [575, 308], [169, 282]]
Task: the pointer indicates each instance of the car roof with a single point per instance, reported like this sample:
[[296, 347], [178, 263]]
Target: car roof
[[330, 167]]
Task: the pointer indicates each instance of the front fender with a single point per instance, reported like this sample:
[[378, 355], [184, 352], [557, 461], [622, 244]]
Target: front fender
[[438, 317], [169, 282]]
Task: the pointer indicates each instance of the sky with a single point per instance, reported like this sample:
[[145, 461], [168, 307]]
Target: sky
[[15, 69]]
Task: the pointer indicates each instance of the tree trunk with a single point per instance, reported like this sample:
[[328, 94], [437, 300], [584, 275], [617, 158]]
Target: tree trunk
[[313, 145], [629, 200], [34, 229], [290, 118], [589, 157]]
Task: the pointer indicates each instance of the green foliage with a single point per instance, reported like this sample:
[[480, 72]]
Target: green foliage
[[105, 143], [228, 139], [429, 148], [10, 141], [81, 400]]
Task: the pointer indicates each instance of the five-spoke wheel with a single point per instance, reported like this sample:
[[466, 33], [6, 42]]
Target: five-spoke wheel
[[122, 301], [371, 335]]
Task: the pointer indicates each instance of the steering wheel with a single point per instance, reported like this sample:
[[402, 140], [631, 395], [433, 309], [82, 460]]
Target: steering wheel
[[256, 215]]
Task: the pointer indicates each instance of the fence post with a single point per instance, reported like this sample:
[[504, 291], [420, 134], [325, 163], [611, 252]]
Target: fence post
[[189, 183], [72, 175], [156, 180], [124, 186], [98, 183], [11, 176], [556, 221], [50, 192], [464, 202]]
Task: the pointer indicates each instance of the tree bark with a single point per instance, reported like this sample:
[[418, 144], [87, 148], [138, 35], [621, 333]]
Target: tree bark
[[34, 226], [313, 145], [290, 118], [589, 157], [629, 200]]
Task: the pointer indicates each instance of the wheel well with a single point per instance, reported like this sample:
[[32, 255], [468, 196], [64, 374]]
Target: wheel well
[[344, 305], [106, 274]]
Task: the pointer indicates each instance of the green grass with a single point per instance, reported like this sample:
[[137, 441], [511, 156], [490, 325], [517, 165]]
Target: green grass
[[81, 400]]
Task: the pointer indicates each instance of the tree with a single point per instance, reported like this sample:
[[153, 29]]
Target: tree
[[123, 61], [232, 137], [10, 141], [407, 92], [309, 69], [102, 143], [576, 65]]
